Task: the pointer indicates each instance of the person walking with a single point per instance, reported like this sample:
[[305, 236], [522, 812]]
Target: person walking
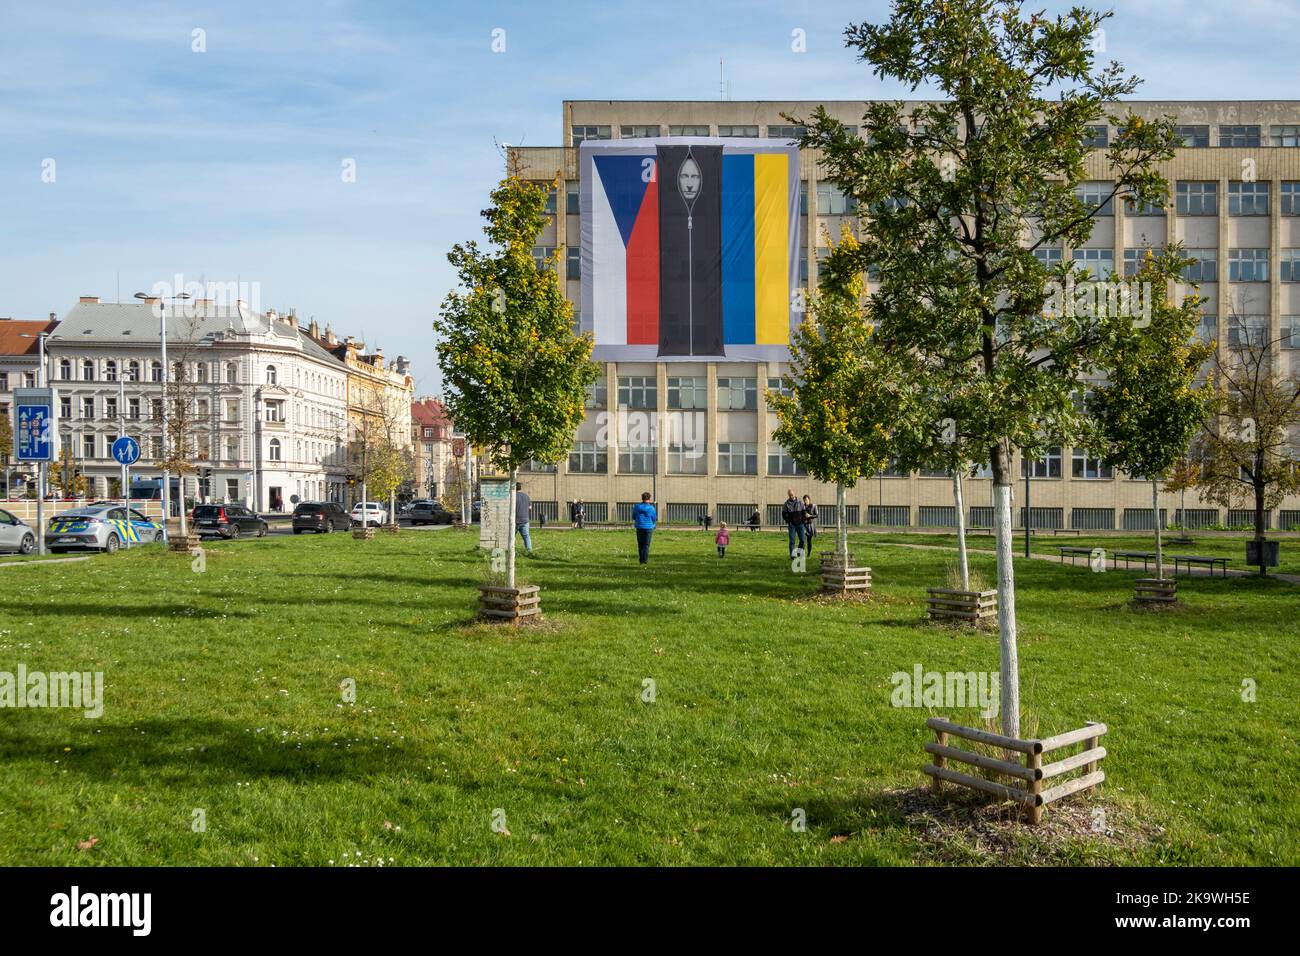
[[644, 519], [579, 513], [722, 539], [755, 520], [523, 504], [809, 521], [792, 512]]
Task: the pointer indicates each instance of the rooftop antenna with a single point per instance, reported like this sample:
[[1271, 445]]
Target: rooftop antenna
[[724, 88]]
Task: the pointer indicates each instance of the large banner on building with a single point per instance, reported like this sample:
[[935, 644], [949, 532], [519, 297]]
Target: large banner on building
[[690, 248]]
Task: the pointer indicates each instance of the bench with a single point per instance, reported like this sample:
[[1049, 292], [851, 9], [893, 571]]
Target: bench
[[1074, 531], [1205, 561], [979, 530], [1073, 551], [1144, 556]]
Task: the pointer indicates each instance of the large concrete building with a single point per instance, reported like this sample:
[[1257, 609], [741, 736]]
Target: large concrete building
[[1234, 204]]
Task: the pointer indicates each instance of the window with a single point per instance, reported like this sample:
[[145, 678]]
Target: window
[[65, 370], [65, 406], [639, 132], [1196, 199], [686, 458], [202, 410], [777, 386], [133, 371], [737, 458], [155, 447], [4, 381], [588, 458], [1205, 268], [1134, 208], [1193, 137], [110, 406], [803, 264], [1099, 263], [110, 371], [552, 199], [232, 373], [133, 409], [1246, 330], [1291, 331], [831, 201], [1289, 265], [201, 373], [1096, 137], [543, 467], [87, 371], [87, 408], [275, 411], [751, 131], [272, 377], [1134, 258], [231, 410], [597, 394], [738, 394], [572, 262], [1085, 465], [1207, 329], [273, 450], [156, 409], [803, 197], [1247, 265], [636, 460], [1049, 256], [572, 199], [88, 446], [688, 392], [1247, 199], [1049, 466], [1096, 195], [688, 131], [232, 449], [1284, 135], [786, 132], [638, 391], [1290, 198], [543, 257], [1238, 135], [155, 371], [779, 462], [582, 133]]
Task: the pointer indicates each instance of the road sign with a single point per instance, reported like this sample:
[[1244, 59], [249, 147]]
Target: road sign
[[36, 429], [126, 450]]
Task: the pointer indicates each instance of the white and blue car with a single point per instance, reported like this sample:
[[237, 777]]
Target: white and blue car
[[100, 527]]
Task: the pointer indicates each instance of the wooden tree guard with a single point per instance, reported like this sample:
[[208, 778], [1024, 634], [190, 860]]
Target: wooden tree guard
[[1028, 788], [1156, 592], [391, 528], [509, 604], [968, 607], [363, 534], [182, 543]]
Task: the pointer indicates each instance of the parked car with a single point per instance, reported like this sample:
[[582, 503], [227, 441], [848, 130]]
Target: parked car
[[429, 512], [102, 527], [320, 517], [369, 514], [227, 521], [15, 534]]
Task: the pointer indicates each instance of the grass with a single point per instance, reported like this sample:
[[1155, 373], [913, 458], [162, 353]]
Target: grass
[[223, 694]]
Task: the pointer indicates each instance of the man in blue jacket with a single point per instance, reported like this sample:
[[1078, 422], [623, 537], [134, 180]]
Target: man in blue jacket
[[792, 512], [644, 519]]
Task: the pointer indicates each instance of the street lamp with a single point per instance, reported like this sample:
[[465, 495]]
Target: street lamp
[[166, 374]]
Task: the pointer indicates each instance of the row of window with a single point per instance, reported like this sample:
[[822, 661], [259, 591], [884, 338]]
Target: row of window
[[131, 370], [1097, 137], [689, 392], [318, 452], [274, 410]]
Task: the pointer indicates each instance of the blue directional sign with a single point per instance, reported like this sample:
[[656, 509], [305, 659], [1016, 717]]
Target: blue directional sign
[[35, 410], [126, 450]]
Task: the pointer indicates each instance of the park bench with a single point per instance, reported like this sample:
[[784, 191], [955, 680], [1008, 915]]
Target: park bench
[[1074, 531], [1073, 551], [979, 530], [1144, 556], [1205, 561]]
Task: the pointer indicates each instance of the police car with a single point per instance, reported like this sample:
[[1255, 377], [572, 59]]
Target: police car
[[100, 527]]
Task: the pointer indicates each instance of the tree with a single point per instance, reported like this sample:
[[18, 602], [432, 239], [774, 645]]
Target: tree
[[379, 450], [1184, 475], [181, 393], [515, 371], [1249, 448], [844, 397], [6, 439], [1150, 408], [962, 193]]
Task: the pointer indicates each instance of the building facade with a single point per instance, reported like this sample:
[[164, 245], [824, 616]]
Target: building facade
[[1234, 203], [268, 405], [19, 368], [431, 447]]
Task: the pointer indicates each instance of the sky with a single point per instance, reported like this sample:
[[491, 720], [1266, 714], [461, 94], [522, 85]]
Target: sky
[[130, 156]]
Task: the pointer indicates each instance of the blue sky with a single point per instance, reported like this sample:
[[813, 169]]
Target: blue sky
[[226, 164]]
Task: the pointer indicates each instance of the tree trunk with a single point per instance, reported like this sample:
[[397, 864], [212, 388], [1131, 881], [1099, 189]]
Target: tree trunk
[[510, 548], [1010, 664], [1155, 518], [1259, 523], [961, 529], [185, 528], [841, 527]]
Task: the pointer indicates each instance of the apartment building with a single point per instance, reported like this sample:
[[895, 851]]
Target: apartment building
[[1234, 204], [432, 452]]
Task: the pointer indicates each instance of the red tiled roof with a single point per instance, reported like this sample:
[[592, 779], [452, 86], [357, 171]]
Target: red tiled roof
[[429, 412], [12, 341]]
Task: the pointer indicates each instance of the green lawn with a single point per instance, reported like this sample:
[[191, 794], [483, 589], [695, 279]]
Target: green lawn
[[223, 694]]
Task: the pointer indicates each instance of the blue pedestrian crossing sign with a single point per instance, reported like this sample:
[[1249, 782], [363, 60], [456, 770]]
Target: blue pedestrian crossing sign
[[126, 450]]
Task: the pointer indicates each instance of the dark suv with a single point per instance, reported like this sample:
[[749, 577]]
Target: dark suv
[[428, 512], [320, 517], [227, 521]]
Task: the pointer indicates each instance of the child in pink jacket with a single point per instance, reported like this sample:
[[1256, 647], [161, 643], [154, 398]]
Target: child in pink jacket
[[722, 540]]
